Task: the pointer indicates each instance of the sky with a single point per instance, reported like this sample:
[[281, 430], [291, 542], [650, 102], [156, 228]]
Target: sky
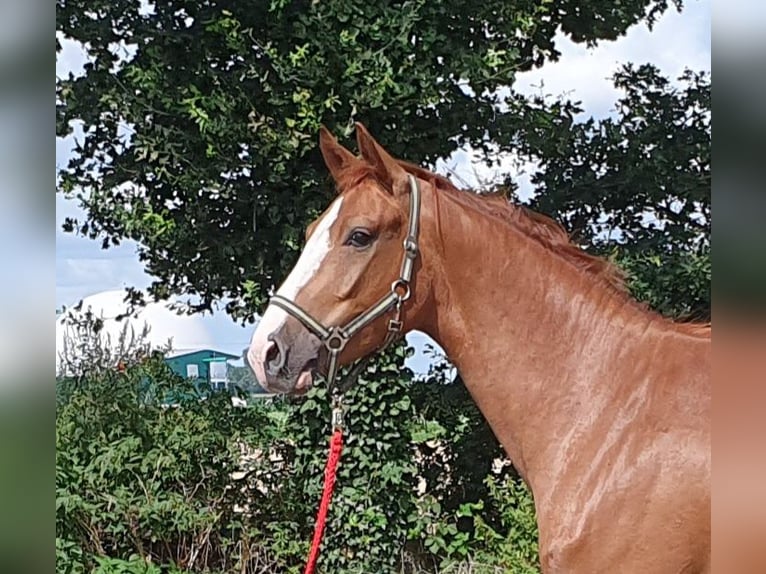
[[678, 41]]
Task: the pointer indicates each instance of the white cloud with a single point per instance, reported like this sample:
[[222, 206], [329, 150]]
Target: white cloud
[[678, 41], [71, 59]]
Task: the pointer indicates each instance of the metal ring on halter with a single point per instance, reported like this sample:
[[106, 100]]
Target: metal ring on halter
[[335, 341], [401, 284]]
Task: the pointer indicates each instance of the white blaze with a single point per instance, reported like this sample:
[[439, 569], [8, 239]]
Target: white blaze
[[314, 253], [317, 248]]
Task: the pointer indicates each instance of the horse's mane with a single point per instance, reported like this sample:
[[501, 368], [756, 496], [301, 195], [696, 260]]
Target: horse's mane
[[538, 227]]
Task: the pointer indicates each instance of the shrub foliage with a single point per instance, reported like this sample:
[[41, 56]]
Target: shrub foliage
[[196, 484]]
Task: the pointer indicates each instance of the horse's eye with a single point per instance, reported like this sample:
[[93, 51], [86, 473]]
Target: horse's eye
[[359, 238]]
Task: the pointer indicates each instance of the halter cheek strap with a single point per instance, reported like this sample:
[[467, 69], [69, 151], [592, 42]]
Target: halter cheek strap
[[335, 338]]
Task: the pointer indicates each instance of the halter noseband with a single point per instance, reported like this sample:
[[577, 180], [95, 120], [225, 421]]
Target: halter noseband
[[335, 338]]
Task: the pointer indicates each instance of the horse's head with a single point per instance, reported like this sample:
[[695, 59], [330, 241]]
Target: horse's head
[[354, 252]]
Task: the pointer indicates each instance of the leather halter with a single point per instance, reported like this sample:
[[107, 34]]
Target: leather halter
[[335, 338]]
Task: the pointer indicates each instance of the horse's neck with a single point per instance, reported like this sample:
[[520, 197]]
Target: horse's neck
[[535, 341]]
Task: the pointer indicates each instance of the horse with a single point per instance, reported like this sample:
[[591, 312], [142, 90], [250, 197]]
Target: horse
[[602, 405]]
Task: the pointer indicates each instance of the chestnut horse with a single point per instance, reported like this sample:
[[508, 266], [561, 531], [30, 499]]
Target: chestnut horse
[[602, 405]]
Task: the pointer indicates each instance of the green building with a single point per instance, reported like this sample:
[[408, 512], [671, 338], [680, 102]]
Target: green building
[[203, 365]]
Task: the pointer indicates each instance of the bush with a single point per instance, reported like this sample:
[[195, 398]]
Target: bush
[[201, 486], [137, 478]]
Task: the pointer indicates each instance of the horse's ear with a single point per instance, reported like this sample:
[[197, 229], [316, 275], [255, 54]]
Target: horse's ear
[[387, 168], [336, 157]]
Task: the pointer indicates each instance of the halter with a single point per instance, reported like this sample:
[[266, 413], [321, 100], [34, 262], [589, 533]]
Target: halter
[[335, 338]]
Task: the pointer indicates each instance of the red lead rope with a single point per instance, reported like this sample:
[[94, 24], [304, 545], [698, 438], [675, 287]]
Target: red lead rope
[[336, 445]]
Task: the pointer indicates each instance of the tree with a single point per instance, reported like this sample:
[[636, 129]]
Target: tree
[[637, 186], [200, 118]]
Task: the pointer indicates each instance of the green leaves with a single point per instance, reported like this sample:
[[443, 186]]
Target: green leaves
[[203, 486], [204, 98], [636, 186], [676, 284], [641, 179]]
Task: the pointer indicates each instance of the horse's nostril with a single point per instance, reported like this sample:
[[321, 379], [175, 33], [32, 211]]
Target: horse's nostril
[[276, 355], [272, 353]]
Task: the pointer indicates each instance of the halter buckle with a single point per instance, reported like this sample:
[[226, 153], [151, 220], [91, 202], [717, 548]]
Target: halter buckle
[[395, 325], [401, 288], [337, 414]]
